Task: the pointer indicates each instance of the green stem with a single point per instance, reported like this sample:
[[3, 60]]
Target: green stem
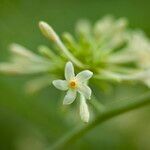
[[96, 104], [110, 111], [69, 54]]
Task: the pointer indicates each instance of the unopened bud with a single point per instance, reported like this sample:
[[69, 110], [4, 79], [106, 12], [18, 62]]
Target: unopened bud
[[48, 31], [84, 112]]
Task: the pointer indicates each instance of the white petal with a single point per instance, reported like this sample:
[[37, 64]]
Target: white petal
[[84, 75], [69, 71], [84, 112], [85, 90], [60, 84], [70, 97]]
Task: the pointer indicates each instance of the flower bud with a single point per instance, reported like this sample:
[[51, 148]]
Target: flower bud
[[48, 31], [84, 112]]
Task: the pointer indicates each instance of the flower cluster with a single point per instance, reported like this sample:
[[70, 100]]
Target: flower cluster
[[111, 50]]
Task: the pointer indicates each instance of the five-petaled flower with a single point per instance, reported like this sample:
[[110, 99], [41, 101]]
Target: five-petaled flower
[[75, 84]]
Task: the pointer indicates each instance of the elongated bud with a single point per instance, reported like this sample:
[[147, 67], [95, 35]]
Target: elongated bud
[[84, 112], [67, 37], [10, 69], [45, 51], [121, 23], [51, 35], [48, 31], [20, 50], [83, 27]]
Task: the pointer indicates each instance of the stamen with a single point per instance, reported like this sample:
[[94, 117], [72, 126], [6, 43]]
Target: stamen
[[73, 84]]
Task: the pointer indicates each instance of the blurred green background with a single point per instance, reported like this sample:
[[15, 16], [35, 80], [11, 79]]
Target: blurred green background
[[31, 122]]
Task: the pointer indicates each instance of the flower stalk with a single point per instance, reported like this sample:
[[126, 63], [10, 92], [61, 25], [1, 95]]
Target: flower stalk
[[112, 110]]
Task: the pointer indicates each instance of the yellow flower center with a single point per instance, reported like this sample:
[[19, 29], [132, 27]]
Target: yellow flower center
[[73, 84]]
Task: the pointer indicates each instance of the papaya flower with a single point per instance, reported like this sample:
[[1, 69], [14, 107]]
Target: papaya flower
[[73, 84]]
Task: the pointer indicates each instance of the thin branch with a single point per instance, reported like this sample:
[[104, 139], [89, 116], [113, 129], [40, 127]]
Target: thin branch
[[110, 111]]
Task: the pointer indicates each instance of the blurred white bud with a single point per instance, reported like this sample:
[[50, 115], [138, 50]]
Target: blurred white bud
[[121, 23], [104, 26], [83, 27], [139, 45], [48, 31], [21, 51], [84, 111]]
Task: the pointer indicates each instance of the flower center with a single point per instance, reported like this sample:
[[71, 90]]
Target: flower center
[[73, 84]]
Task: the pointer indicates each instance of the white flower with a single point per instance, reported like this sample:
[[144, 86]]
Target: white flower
[[139, 45], [74, 84]]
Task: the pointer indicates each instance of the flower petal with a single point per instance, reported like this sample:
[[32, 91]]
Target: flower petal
[[69, 71], [85, 90], [84, 112], [60, 84], [70, 97], [84, 75]]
